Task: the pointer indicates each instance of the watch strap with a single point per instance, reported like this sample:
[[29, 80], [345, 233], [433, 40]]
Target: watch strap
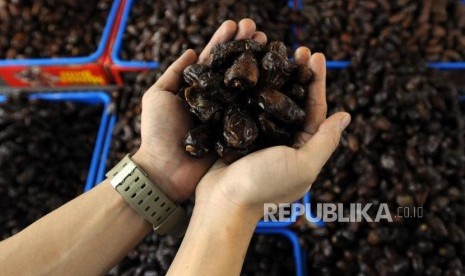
[[148, 200]]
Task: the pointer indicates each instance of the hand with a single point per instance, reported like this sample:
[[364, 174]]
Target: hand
[[279, 174], [165, 120]]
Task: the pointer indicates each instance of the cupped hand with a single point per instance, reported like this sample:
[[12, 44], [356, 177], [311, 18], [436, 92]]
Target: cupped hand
[[165, 120], [280, 174]]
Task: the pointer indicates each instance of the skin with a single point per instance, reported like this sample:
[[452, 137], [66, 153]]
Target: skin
[[90, 234]]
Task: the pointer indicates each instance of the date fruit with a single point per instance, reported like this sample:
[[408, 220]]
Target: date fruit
[[238, 100]]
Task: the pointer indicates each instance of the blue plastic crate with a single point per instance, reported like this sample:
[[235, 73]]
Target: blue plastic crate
[[93, 98], [71, 60], [334, 64], [297, 250]]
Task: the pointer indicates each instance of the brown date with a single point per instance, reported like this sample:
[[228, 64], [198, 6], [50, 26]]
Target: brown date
[[193, 72], [276, 70], [280, 106], [275, 135], [243, 74], [244, 122], [278, 48], [213, 84], [222, 54], [208, 111], [297, 93], [240, 130]]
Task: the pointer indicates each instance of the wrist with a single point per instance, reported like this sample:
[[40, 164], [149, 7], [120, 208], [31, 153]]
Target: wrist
[[156, 175], [215, 219], [216, 204]]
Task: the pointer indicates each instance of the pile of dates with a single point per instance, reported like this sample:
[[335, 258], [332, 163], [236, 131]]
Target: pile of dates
[[434, 29], [404, 148], [51, 28], [249, 97], [45, 153], [161, 30]]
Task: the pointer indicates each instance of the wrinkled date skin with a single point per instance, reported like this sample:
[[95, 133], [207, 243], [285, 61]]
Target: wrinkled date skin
[[243, 74], [222, 54], [248, 98], [193, 72], [208, 111], [276, 70], [281, 107], [274, 134], [240, 130]]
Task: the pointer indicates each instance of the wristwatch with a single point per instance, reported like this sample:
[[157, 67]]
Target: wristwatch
[[150, 202]]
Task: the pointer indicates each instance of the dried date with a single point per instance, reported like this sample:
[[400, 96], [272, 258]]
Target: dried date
[[281, 107], [239, 122], [208, 111], [223, 54], [240, 130], [243, 74], [193, 72]]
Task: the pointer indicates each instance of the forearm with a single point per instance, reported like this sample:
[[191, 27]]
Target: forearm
[[86, 236], [216, 241]]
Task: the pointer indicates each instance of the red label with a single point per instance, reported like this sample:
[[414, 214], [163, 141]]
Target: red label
[[52, 76]]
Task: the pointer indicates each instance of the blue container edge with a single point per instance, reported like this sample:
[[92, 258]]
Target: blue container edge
[[297, 250], [105, 151], [71, 60], [94, 97], [119, 41]]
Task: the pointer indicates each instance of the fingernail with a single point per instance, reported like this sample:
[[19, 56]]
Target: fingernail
[[345, 121]]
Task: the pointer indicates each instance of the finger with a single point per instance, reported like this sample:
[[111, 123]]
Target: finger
[[225, 32], [260, 37], [316, 107], [324, 142], [172, 78], [302, 56], [246, 29]]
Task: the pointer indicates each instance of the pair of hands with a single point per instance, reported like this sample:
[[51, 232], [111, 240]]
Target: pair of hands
[[273, 175]]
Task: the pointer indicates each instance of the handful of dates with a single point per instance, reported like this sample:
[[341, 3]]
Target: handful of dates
[[249, 97]]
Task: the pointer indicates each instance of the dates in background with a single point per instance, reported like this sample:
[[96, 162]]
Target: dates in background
[[51, 28], [435, 29], [404, 147], [45, 153], [162, 30], [255, 114]]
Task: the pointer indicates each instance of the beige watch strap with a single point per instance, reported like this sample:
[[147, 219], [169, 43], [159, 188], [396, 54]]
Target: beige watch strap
[[149, 201]]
